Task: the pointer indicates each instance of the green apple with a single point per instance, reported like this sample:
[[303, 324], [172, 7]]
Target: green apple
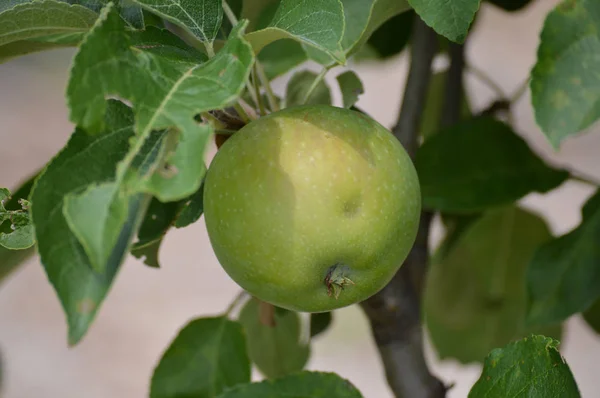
[[312, 208]]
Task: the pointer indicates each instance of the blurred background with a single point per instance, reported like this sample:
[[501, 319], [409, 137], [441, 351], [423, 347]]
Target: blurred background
[[147, 307]]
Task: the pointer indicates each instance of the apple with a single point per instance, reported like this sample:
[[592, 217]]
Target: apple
[[312, 208]]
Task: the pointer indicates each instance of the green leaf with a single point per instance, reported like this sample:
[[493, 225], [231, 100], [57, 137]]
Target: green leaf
[[11, 259], [130, 12], [480, 163], [451, 19], [275, 349], [301, 385], [531, 367], [455, 226], [281, 56], [510, 5], [165, 44], [393, 36], [38, 19], [320, 322], [79, 288], [164, 94], [591, 316], [434, 103], [96, 217], [365, 17], [258, 12], [476, 293], [207, 356], [202, 18], [351, 88], [16, 230], [318, 23], [37, 44], [362, 18], [565, 82], [298, 87], [192, 209], [157, 221], [564, 275]]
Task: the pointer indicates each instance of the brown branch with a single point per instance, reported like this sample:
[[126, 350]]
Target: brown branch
[[395, 312]]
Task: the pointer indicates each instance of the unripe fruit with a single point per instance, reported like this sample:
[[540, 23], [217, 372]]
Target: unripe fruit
[[312, 208]]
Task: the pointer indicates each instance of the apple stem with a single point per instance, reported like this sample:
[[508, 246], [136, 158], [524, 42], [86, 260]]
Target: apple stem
[[336, 279]]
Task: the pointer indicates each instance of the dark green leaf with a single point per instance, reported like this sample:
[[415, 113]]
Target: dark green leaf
[[510, 5], [301, 385], [281, 56], [476, 293], [259, 13], [165, 44], [565, 82], [298, 87], [157, 221], [319, 322], [80, 289], [393, 36], [37, 19], [275, 349], [207, 356], [564, 275], [531, 368], [193, 208], [451, 19], [164, 94], [591, 316], [318, 23], [130, 12], [11, 259], [351, 88], [480, 163], [200, 17], [37, 44]]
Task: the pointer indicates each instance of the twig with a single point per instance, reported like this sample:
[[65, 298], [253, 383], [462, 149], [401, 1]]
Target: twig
[[454, 83], [241, 296], [264, 80], [584, 178], [423, 49], [229, 13], [395, 312], [519, 92], [259, 69], [257, 94], [314, 84], [487, 80]]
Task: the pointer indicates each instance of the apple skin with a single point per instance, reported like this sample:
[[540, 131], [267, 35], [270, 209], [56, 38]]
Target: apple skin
[[307, 188]]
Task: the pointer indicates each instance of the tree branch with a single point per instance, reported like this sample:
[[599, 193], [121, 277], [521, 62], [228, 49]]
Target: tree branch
[[423, 48], [395, 312]]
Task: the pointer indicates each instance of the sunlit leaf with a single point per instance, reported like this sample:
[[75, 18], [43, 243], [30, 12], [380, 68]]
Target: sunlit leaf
[[207, 356], [531, 367], [565, 82]]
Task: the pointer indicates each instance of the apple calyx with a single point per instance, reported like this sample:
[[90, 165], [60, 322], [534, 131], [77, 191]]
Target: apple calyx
[[336, 279]]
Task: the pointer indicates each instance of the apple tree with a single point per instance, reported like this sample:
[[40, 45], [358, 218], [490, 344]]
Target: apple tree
[[312, 205]]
